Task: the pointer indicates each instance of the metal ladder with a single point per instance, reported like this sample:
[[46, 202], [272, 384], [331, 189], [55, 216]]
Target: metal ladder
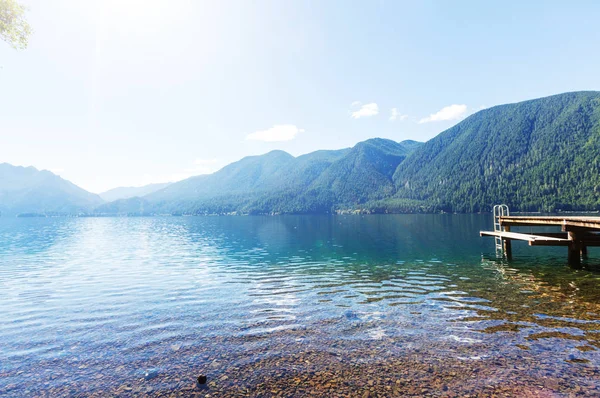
[[499, 211]]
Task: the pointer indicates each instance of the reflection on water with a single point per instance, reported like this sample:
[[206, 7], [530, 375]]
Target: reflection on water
[[91, 304]]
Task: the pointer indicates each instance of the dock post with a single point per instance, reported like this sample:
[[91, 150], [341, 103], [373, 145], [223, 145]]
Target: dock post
[[584, 253], [507, 244], [575, 250]]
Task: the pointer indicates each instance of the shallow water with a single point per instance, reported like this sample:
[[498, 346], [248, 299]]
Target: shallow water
[[290, 305]]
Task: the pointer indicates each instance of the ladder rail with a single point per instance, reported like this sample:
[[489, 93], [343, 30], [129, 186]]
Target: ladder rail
[[499, 211]]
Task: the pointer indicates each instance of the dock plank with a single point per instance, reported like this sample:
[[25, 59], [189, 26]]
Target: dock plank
[[574, 221], [522, 236]]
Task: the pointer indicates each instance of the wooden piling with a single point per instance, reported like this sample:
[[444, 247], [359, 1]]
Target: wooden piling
[[507, 244], [584, 251], [575, 247]]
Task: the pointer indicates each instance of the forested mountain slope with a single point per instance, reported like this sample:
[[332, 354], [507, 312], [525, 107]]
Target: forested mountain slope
[[358, 175], [365, 173], [278, 182], [538, 155]]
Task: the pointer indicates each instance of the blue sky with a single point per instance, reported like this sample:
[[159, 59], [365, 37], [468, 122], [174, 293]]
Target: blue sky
[[127, 92]]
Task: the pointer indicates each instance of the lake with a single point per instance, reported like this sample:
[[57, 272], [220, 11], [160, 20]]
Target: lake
[[375, 305]]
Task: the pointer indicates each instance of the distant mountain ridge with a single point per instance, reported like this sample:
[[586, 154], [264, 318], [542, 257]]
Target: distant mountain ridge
[[29, 190]]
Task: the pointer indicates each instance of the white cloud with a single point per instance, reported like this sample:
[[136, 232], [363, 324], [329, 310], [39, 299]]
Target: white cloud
[[282, 132], [395, 115], [366, 110], [451, 112]]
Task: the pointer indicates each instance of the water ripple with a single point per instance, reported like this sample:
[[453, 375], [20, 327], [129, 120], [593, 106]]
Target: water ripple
[[108, 292]]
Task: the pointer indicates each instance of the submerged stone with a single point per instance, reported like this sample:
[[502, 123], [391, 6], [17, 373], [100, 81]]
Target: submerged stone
[[150, 374], [351, 315]]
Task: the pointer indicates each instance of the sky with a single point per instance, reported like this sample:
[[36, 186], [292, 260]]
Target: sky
[[129, 92]]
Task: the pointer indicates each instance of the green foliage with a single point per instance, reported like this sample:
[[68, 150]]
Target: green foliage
[[400, 205], [539, 155], [364, 174], [14, 29]]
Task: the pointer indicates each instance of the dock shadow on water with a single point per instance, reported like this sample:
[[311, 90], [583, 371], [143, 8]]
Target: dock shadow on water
[[289, 306]]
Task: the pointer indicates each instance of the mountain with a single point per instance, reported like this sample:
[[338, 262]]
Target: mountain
[[247, 176], [537, 155], [278, 182], [365, 173], [29, 190], [130, 192]]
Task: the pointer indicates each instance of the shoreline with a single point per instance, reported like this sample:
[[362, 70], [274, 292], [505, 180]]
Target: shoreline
[[273, 214]]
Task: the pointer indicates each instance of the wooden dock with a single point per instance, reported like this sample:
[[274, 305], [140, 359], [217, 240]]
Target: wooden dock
[[576, 233]]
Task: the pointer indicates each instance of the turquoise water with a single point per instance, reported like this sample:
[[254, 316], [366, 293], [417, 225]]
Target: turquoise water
[[126, 306]]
